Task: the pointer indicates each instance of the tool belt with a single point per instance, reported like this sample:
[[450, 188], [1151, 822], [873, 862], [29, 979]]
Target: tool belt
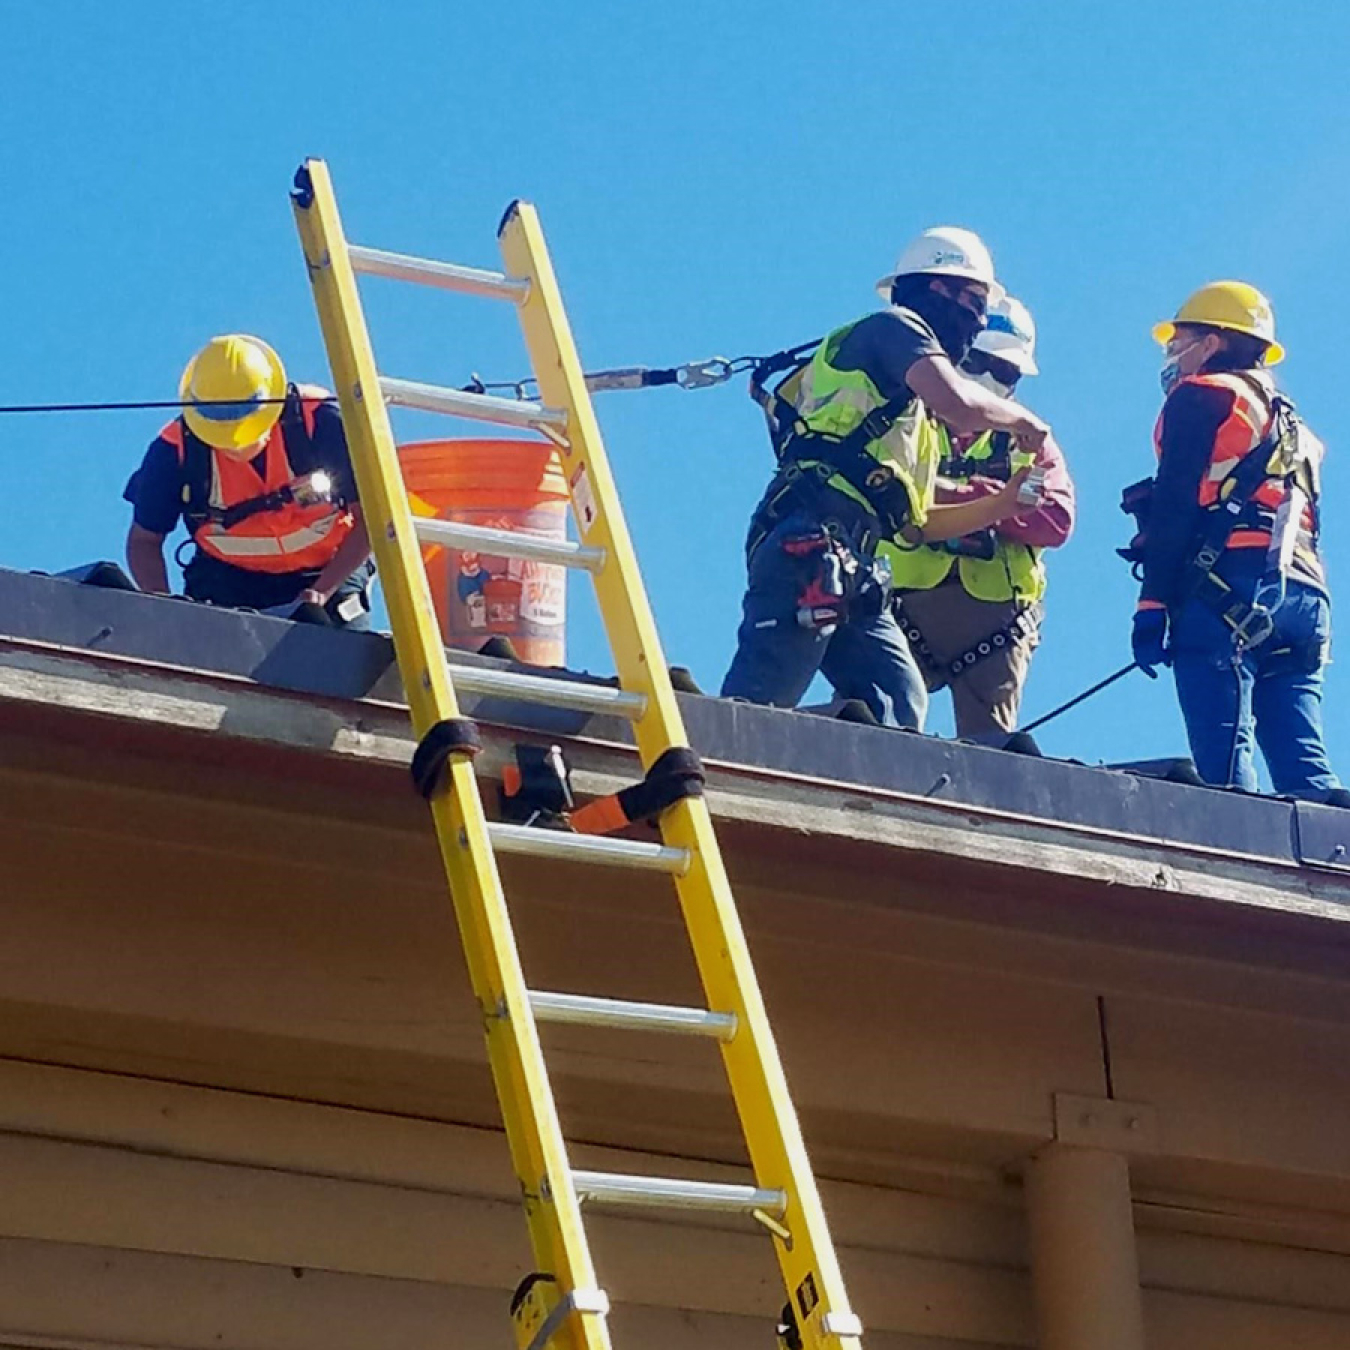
[[1019, 628], [805, 490], [835, 581]]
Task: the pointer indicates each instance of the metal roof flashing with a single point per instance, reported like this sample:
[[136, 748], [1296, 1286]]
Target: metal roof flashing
[[769, 744]]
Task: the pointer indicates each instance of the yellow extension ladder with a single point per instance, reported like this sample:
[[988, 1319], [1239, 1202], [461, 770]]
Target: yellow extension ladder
[[562, 1305]]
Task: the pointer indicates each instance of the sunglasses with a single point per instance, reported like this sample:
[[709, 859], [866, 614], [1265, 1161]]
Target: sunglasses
[[973, 301], [982, 363]]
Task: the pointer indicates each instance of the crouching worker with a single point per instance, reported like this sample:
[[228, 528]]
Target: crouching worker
[[258, 470], [857, 462], [1234, 594], [971, 607]]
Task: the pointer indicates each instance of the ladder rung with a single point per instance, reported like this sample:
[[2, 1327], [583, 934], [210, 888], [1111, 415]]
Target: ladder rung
[[448, 276], [618, 1012], [481, 407], [542, 843], [612, 1188], [570, 694], [509, 543]]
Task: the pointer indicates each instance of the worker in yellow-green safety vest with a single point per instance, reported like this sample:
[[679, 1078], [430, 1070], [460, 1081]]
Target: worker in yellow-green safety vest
[[970, 607], [857, 459]]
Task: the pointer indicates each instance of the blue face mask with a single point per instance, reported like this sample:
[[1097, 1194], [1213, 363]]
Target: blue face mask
[[1171, 374]]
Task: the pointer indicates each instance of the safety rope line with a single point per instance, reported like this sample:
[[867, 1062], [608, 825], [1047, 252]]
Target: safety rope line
[[130, 406], [1088, 693], [692, 375]]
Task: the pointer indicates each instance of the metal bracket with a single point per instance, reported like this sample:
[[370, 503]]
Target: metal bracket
[[1104, 1123], [593, 1301], [841, 1324], [1322, 836]]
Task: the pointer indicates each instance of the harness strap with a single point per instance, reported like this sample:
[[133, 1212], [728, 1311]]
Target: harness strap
[[997, 465], [676, 774], [794, 440], [197, 471], [457, 737], [1020, 627], [1251, 626]]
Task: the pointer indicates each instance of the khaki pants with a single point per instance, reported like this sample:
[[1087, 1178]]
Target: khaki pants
[[986, 697]]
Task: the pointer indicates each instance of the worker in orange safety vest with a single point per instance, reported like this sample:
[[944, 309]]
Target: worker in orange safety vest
[[1234, 592], [258, 470]]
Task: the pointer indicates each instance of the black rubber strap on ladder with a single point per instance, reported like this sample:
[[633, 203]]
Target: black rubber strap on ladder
[[458, 736], [676, 774]]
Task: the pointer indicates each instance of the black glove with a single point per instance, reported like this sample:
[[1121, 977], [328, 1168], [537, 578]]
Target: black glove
[[308, 612], [1149, 640]]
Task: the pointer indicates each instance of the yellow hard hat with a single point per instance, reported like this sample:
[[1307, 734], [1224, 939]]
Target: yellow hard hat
[[237, 378], [1228, 304]]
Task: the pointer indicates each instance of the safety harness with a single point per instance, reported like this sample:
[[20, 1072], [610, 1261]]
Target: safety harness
[[1251, 624], [795, 445], [1018, 629], [984, 546], [197, 474]]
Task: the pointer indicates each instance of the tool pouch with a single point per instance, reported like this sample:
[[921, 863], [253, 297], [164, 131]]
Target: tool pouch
[[1137, 501], [822, 566]]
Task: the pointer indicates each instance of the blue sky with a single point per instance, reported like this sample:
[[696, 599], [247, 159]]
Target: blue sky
[[712, 178]]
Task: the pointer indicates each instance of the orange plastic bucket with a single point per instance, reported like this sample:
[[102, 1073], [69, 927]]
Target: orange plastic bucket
[[507, 485]]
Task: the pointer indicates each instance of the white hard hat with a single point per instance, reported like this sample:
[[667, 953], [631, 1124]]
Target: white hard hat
[[1010, 334], [945, 251]]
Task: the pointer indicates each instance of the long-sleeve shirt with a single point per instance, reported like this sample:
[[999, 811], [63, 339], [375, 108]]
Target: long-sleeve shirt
[[1047, 525], [1191, 419]]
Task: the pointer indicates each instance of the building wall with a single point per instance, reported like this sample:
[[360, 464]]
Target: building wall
[[243, 1101]]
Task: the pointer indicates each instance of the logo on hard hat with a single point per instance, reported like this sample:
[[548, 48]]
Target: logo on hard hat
[[998, 322], [947, 255]]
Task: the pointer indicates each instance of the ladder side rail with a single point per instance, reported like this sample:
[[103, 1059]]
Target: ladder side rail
[[778, 1155], [530, 1115]]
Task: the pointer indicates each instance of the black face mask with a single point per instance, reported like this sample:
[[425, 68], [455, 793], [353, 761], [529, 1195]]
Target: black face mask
[[953, 324]]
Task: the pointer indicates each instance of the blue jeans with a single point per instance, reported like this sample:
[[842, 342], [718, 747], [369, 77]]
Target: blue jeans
[[866, 656], [1270, 696]]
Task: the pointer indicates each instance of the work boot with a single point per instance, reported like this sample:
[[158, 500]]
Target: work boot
[[499, 647], [1184, 771], [1338, 797], [855, 710], [683, 680]]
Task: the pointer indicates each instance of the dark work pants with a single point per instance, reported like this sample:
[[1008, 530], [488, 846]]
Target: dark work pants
[[776, 657]]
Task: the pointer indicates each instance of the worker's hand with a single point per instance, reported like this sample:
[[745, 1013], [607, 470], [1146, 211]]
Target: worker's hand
[[1032, 433], [1149, 639], [309, 612], [1007, 493], [309, 596]]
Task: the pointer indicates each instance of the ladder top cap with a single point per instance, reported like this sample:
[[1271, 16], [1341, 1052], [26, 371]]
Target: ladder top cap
[[513, 209]]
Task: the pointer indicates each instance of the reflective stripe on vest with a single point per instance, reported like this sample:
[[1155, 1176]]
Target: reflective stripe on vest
[[286, 538], [1015, 572], [1247, 425], [834, 402]]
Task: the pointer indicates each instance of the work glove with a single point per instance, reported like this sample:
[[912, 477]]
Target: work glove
[[309, 612], [1149, 640]]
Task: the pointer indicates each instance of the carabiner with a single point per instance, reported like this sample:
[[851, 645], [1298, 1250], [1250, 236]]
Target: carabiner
[[701, 374]]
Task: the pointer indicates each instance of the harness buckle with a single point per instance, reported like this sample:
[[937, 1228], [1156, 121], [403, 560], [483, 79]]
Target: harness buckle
[[876, 424], [1254, 627]]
